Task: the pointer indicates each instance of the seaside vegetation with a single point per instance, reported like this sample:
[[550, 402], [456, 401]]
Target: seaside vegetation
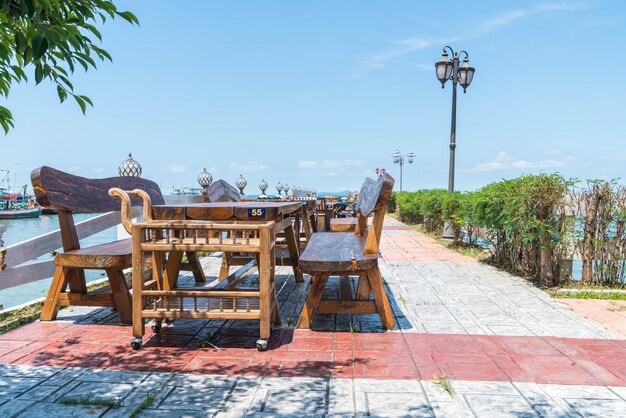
[[532, 224], [51, 38]]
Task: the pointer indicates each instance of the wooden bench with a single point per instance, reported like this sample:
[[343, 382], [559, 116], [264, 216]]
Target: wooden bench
[[221, 191], [347, 254], [348, 223], [343, 224], [69, 194]]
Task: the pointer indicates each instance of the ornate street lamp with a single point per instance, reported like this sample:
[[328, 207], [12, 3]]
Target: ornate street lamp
[[241, 184], [448, 69], [279, 188], [205, 179], [263, 186], [286, 189], [129, 167], [399, 159]]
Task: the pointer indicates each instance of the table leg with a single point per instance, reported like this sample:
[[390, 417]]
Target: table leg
[[172, 269], [264, 284], [138, 286], [225, 265], [294, 252]]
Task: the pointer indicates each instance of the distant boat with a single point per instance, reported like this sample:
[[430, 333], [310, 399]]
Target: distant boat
[[20, 212], [17, 204]]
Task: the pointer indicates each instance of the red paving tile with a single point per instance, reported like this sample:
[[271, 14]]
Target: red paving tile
[[470, 367], [390, 355]]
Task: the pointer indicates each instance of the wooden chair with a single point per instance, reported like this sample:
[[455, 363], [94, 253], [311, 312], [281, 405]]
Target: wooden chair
[[221, 191], [69, 194], [350, 254], [348, 222]]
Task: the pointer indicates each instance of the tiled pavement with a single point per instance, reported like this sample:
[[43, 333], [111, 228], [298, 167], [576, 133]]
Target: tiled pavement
[[505, 348]]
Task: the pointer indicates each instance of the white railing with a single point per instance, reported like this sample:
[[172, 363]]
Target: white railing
[[16, 261]]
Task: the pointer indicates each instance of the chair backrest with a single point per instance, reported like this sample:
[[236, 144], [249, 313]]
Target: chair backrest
[[221, 191], [373, 199], [67, 192]]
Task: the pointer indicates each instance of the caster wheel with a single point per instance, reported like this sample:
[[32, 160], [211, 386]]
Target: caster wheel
[[136, 343], [261, 345], [156, 328]]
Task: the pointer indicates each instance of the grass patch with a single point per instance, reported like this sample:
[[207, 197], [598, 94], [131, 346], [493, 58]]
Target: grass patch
[[444, 384], [148, 401], [207, 342], [91, 401], [19, 317], [616, 307], [588, 294], [468, 250]]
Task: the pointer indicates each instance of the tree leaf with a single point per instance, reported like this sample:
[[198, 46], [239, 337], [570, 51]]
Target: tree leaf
[[39, 45], [61, 93], [39, 73], [81, 103]]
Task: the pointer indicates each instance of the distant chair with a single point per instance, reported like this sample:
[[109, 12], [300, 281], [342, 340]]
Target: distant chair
[[221, 191]]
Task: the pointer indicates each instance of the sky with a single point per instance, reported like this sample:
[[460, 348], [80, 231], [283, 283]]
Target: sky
[[319, 94]]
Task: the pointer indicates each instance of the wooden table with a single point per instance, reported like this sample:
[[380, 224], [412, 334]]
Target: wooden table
[[282, 213]]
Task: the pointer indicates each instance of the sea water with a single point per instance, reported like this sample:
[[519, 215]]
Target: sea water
[[18, 230]]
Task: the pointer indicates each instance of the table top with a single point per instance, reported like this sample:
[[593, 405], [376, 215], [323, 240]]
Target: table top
[[245, 211]]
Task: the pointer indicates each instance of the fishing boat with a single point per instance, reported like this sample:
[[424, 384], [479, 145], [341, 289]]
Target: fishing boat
[[18, 212], [17, 204]]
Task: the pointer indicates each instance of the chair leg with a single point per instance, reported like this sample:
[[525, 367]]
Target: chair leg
[[380, 298], [121, 295], [51, 305], [194, 262], [172, 269], [276, 312], [225, 266], [318, 283], [363, 289]]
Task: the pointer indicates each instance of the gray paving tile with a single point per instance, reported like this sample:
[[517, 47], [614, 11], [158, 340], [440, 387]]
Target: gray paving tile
[[398, 405], [601, 408], [52, 410], [491, 405], [14, 407]]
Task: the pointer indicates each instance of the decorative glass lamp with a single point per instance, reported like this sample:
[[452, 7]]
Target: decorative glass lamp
[[466, 74], [129, 167], [263, 186], [205, 179], [279, 188], [241, 183], [286, 189], [444, 68]]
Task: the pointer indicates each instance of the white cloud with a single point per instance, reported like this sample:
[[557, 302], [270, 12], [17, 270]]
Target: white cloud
[[329, 164], [553, 152], [503, 161], [74, 169], [249, 166], [176, 168], [407, 46]]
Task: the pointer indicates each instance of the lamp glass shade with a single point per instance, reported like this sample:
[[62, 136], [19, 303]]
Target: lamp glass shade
[[241, 184], [443, 69], [130, 167], [205, 178], [466, 74]]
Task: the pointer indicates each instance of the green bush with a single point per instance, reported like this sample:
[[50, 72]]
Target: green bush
[[520, 219], [393, 202]]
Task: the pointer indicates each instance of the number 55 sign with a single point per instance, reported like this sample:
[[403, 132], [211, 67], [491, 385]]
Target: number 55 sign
[[258, 213]]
